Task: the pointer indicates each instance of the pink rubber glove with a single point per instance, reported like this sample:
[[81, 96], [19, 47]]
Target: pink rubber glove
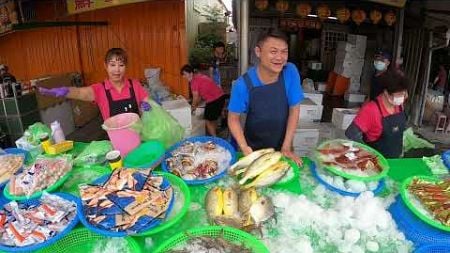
[[55, 92]]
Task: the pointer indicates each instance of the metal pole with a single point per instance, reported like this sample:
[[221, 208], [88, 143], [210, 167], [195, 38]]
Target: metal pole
[[244, 20], [427, 79], [399, 36]]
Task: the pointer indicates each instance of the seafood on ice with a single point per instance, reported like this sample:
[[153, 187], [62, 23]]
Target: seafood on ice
[[209, 244], [43, 173], [130, 200], [350, 157], [243, 209], [434, 197], [260, 168], [25, 225], [9, 164], [199, 160]]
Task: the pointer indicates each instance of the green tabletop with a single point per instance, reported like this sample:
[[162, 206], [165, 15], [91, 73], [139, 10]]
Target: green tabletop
[[402, 168]]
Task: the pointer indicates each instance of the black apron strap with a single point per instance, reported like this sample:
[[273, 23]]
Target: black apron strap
[[248, 82]]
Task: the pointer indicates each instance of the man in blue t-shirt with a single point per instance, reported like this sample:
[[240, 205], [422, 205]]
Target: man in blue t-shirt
[[270, 94]]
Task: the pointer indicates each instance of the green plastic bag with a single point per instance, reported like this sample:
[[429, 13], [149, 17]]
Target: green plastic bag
[[34, 132], [436, 165], [94, 153], [412, 141], [159, 125]]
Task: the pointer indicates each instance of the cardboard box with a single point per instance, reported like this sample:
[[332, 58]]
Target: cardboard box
[[180, 109], [310, 111], [83, 112], [315, 97], [355, 97], [343, 117]]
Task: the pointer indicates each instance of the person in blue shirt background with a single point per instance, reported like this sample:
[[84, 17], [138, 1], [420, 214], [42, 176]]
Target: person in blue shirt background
[[270, 94], [218, 58]]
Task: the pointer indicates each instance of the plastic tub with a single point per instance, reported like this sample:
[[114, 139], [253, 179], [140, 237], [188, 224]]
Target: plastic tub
[[18, 151], [121, 133], [147, 155]]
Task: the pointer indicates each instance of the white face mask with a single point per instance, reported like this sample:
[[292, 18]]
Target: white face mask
[[379, 65], [398, 100]]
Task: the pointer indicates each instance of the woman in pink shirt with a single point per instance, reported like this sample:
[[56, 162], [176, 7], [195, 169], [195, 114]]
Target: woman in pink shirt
[[203, 87], [113, 96]]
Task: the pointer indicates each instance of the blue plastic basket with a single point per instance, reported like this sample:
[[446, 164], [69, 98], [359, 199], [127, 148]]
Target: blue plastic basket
[[51, 240], [3, 199], [446, 158], [105, 232], [378, 190], [218, 141], [19, 151], [433, 248], [415, 230]]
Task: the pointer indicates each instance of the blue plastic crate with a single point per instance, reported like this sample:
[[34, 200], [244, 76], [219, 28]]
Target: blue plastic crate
[[433, 248], [378, 190], [52, 240], [446, 158], [415, 230], [223, 143], [105, 232]]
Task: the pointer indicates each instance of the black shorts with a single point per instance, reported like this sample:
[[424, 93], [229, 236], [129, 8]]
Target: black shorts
[[214, 109]]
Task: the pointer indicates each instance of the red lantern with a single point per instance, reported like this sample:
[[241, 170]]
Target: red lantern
[[323, 12], [343, 14], [358, 16], [390, 18], [375, 16], [282, 5], [303, 10], [261, 4]]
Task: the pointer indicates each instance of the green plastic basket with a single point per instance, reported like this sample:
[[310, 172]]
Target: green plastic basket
[[175, 182], [406, 198], [51, 188], [144, 156], [83, 240], [230, 234], [383, 162], [293, 184], [80, 175]]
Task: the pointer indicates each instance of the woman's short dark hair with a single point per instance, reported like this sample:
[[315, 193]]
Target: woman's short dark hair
[[394, 82], [116, 53], [218, 44], [272, 33], [187, 68]]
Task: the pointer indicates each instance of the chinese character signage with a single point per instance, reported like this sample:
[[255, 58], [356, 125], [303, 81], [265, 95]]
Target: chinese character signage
[[8, 15], [77, 6]]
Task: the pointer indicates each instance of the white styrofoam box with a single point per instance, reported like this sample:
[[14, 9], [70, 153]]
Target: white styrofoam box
[[304, 152], [306, 138], [315, 65], [354, 97], [357, 39], [354, 87], [339, 133], [343, 117], [180, 109], [350, 50], [315, 97], [321, 87], [346, 72], [310, 111], [62, 113]]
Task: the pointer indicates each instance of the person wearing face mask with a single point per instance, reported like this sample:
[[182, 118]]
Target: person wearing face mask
[[380, 123], [115, 95], [269, 94], [381, 64]]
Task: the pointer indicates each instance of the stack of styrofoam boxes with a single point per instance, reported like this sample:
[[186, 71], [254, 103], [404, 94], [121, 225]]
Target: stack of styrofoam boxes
[[309, 135], [198, 123], [341, 119], [310, 111], [350, 61], [180, 109]]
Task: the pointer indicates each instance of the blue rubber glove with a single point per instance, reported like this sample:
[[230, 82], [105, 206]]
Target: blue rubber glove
[[55, 92], [145, 106]]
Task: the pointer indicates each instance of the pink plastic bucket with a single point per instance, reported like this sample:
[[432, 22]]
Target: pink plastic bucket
[[120, 132]]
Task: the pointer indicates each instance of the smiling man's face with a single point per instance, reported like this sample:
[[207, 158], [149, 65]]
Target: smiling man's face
[[273, 54]]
